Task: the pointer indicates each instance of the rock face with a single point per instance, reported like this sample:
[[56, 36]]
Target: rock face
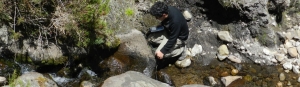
[[34, 79], [132, 79], [133, 54], [39, 52]]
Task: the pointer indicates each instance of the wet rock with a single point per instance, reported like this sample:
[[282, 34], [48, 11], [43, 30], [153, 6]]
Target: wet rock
[[132, 79], [212, 80], [225, 36], [132, 54], [86, 84], [187, 15], [293, 52], [228, 79], [223, 52], [164, 77], [195, 85], [279, 84], [34, 79], [223, 74], [289, 83], [234, 59], [281, 77], [234, 71]]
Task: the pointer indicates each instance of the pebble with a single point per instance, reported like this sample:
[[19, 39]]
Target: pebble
[[281, 77], [234, 72]]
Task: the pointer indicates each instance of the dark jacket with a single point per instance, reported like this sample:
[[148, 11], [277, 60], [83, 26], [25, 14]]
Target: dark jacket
[[176, 26]]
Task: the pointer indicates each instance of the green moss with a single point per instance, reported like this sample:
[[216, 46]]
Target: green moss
[[56, 61], [129, 12], [25, 59]]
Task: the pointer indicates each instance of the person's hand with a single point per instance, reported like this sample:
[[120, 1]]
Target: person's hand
[[159, 54]]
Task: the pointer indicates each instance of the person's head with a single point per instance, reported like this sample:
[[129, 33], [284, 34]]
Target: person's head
[[159, 10]]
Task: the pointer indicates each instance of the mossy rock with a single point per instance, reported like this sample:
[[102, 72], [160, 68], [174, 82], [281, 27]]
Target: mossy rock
[[51, 61]]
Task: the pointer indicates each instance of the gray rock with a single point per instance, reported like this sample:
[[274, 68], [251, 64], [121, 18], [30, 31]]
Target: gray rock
[[134, 46], [40, 52], [34, 79], [225, 36], [234, 59], [132, 79], [3, 34]]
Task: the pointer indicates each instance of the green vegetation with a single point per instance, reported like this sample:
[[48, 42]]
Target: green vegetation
[[71, 22], [11, 79], [129, 12], [4, 13]]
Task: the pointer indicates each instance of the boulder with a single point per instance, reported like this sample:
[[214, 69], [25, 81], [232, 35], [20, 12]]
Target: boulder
[[132, 79], [38, 52], [33, 79], [132, 54]]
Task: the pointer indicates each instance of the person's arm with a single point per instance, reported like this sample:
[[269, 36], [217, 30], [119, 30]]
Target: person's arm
[[174, 33]]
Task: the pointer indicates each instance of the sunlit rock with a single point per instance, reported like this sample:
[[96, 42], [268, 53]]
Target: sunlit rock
[[288, 44], [296, 69], [279, 84], [228, 79], [293, 52], [187, 15], [132, 79], [86, 84], [225, 36], [298, 79], [281, 77], [288, 35], [280, 57], [234, 59], [183, 63], [196, 50], [223, 52], [34, 79], [2, 80], [287, 65]]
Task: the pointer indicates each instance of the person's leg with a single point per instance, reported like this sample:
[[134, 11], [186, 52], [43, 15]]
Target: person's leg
[[176, 50]]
